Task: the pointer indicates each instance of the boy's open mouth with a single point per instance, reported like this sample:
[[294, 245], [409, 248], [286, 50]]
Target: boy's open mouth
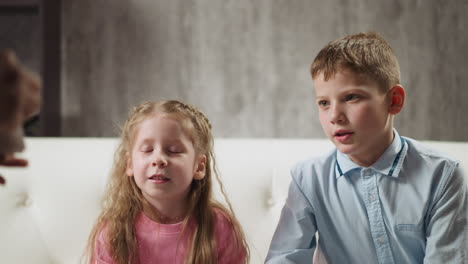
[[343, 133], [343, 136]]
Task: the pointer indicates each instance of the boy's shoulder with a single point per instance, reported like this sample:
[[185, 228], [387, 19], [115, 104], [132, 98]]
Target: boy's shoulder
[[317, 166], [417, 149], [426, 163]]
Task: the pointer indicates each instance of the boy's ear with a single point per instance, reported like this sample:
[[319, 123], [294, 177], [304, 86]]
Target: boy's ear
[[200, 169], [129, 168], [397, 96]]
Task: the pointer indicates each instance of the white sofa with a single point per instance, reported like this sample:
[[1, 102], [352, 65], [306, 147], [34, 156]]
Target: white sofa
[[47, 209]]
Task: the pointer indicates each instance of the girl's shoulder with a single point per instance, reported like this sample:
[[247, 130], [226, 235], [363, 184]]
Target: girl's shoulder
[[228, 237], [225, 225], [223, 218]]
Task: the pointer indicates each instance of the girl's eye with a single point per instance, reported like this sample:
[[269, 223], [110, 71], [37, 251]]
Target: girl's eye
[[175, 150], [146, 149], [323, 103]]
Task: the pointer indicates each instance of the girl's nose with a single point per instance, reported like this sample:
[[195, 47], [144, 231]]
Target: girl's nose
[[159, 161]]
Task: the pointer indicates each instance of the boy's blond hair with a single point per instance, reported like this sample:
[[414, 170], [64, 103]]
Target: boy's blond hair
[[366, 54]]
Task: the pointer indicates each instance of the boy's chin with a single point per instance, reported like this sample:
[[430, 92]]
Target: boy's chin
[[345, 149]]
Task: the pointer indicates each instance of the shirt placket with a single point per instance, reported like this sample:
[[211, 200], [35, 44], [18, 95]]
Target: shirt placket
[[374, 212]]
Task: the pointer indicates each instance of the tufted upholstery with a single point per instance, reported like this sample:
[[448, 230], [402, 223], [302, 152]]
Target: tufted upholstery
[[47, 209]]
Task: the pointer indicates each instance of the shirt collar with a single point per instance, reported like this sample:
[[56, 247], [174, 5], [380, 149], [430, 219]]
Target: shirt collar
[[389, 163]]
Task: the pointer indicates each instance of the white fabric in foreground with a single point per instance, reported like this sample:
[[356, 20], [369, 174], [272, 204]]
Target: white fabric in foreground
[[48, 209]]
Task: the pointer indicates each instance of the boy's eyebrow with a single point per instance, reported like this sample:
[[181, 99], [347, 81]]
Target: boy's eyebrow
[[342, 93], [355, 90]]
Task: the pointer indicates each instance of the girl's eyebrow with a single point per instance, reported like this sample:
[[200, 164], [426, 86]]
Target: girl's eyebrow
[[149, 141], [176, 141], [145, 141]]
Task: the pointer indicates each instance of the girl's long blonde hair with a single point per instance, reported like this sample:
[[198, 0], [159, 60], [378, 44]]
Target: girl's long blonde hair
[[123, 200]]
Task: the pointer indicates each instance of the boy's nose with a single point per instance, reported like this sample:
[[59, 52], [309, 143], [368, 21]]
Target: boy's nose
[[336, 115]]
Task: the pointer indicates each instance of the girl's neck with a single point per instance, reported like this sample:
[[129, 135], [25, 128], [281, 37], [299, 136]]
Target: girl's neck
[[165, 213]]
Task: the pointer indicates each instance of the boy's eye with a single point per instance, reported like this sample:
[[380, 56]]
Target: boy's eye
[[322, 103], [351, 97]]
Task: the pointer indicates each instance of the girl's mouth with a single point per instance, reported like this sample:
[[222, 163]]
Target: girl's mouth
[[159, 179]]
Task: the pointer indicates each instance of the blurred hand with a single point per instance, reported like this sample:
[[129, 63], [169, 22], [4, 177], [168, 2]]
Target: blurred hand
[[20, 99]]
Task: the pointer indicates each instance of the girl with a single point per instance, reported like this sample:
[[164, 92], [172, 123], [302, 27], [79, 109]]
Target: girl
[[159, 205]]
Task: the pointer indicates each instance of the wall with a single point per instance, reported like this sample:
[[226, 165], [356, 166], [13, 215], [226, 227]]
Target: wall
[[246, 62], [20, 30]]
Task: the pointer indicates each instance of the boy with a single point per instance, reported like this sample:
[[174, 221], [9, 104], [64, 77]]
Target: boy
[[379, 197]]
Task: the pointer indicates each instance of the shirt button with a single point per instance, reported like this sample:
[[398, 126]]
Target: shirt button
[[372, 197]]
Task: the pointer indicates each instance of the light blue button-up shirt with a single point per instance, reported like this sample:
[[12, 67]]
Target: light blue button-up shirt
[[411, 206]]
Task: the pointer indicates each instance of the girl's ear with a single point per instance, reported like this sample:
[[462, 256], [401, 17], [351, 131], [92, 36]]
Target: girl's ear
[[129, 169], [200, 169], [397, 95]]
